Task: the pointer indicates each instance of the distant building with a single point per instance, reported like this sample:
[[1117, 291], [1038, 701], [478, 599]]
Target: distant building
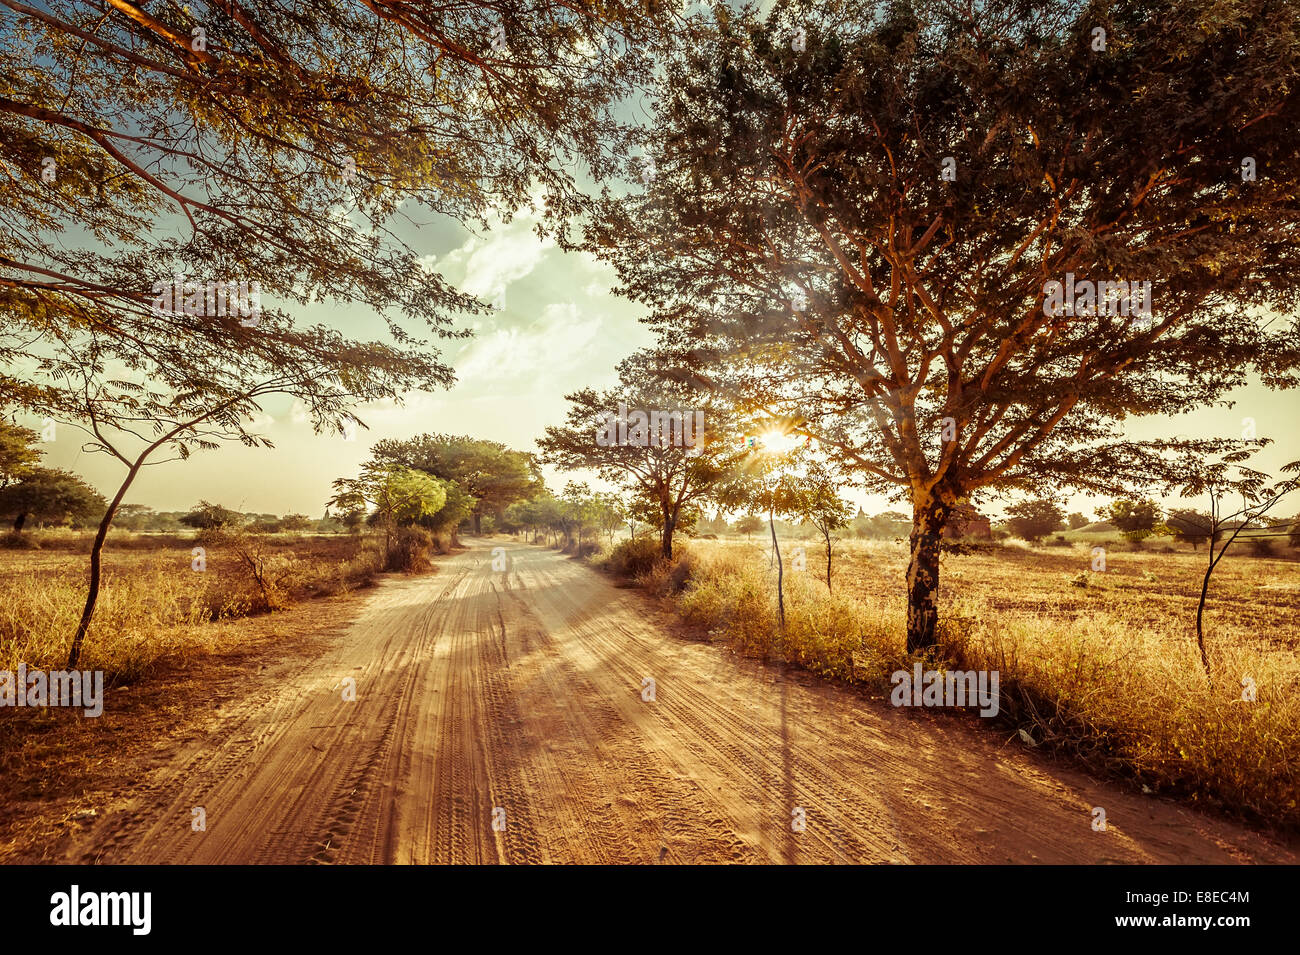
[[965, 521]]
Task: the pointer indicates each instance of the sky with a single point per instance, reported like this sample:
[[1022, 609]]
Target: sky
[[559, 328]]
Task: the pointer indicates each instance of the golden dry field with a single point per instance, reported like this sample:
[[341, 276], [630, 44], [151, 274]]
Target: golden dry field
[[1102, 666]]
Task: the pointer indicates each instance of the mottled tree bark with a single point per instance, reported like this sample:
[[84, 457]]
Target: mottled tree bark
[[928, 517], [667, 539]]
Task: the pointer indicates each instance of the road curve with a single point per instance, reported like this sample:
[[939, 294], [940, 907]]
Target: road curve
[[499, 718]]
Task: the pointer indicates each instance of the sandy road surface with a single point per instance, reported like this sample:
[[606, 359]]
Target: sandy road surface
[[481, 690]]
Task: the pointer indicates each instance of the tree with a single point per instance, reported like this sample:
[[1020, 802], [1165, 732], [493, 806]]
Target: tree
[[1229, 475], [50, 496], [131, 422], [455, 511], [206, 517], [17, 456], [766, 486], [399, 496], [135, 517], [816, 500], [579, 509], [801, 250], [541, 513], [1077, 520], [1136, 519], [494, 475], [610, 513], [672, 455], [1189, 526], [749, 524], [889, 525], [258, 131], [267, 152], [295, 522], [1034, 519]]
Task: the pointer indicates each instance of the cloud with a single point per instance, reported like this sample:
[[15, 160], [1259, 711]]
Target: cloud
[[505, 354], [486, 265]]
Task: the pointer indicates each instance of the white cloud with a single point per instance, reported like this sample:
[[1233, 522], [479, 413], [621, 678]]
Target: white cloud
[[561, 333], [486, 265]]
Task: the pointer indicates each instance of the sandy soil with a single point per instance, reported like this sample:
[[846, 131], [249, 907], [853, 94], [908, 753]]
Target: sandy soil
[[499, 718]]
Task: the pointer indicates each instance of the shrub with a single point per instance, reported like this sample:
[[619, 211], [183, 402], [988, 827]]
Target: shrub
[[632, 558], [1260, 547], [1059, 541], [408, 550], [669, 577], [586, 549], [268, 576]]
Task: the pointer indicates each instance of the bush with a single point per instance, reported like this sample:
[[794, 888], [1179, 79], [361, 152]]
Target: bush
[[669, 578], [408, 550], [632, 558], [15, 541], [1260, 547], [1059, 541], [586, 549]]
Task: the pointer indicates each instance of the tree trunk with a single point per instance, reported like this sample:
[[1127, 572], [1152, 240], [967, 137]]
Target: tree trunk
[[780, 572], [828, 560], [928, 518], [478, 524], [667, 540], [19, 521], [96, 550], [1200, 611]]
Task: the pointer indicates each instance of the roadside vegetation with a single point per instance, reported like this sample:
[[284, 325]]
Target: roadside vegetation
[[1106, 674]]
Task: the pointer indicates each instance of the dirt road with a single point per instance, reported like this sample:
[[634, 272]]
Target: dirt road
[[499, 717]]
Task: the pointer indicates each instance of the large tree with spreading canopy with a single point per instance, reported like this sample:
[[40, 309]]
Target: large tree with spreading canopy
[[858, 210]]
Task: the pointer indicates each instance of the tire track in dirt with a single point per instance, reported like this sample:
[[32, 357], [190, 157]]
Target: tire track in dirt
[[520, 691]]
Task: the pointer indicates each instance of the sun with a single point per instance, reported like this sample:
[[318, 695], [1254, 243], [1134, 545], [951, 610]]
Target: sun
[[776, 441]]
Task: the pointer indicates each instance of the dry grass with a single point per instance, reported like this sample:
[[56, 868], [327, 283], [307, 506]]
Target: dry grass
[[1107, 671], [154, 606]]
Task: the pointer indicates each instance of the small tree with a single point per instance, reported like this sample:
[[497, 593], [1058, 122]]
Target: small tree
[[205, 517], [1189, 526], [1077, 520], [1135, 519], [579, 509], [673, 450], [816, 500], [749, 525], [398, 495], [295, 522], [610, 513], [1034, 520], [1258, 494]]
